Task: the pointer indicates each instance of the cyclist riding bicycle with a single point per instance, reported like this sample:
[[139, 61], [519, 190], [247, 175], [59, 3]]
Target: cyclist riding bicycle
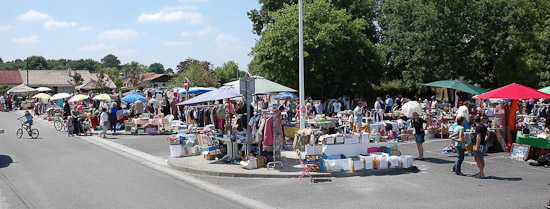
[[29, 118]]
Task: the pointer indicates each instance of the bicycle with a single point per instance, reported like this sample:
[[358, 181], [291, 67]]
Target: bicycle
[[60, 124], [33, 133]]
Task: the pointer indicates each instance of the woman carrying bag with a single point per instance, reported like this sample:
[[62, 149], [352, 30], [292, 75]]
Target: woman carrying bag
[[458, 138]]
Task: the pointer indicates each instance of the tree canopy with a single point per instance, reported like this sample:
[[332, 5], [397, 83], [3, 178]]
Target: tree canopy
[[110, 61], [156, 68], [338, 57], [197, 74], [228, 72]]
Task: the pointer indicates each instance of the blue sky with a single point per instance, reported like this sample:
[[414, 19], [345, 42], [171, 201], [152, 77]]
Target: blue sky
[[164, 31]]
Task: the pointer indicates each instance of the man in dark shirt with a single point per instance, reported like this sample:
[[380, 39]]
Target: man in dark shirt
[[480, 147]]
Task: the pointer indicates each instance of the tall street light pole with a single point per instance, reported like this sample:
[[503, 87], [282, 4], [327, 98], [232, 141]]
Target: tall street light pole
[[301, 67]]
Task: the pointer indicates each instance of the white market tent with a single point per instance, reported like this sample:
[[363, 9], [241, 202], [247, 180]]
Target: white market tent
[[264, 85], [21, 89]]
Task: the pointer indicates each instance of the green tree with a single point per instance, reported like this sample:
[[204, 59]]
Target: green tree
[[228, 72], [156, 68], [133, 72], [110, 61], [76, 79], [198, 75], [114, 75], [102, 81], [84, 64], [358, 9], [336, 52], [36, 62], [169, 71], [185, 65]]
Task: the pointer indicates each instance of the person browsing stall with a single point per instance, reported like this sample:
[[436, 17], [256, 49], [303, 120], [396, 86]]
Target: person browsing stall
[[458, 137], [418, 124], [104, 121], [113, 116], [358, 113], [480, 147]]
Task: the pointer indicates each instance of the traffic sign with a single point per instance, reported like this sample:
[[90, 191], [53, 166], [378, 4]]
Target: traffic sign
[[247, 75], [186, 84]]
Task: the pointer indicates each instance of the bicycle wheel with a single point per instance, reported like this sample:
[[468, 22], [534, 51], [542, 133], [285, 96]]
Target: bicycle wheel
[[34, 133], [19, 133], [58, 125]]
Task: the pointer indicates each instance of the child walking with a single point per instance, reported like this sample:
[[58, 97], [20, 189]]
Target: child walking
[[70, 127]]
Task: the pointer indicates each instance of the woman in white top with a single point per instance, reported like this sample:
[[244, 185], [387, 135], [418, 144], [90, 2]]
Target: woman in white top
[[104, 121]]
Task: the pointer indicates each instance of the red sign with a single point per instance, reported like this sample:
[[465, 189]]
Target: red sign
[[247, 75], [186, 84]]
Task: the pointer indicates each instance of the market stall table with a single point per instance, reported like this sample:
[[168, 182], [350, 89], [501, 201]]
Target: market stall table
[[533, 141]]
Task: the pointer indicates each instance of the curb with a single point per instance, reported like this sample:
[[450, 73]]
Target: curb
[[394, 171]]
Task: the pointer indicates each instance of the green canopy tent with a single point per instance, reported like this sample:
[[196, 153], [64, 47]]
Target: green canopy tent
[[458, 85], [545, 90]]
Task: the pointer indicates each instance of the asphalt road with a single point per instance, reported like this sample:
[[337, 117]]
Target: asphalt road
[[56, 171], [510, 184]]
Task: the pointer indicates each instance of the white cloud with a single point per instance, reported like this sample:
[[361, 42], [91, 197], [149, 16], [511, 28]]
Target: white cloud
[[181, 7], [207, 31], [26, 40], [52, 24], [118, 35], [186, 33], [193, 1], [227, 38], [162, 16], [5, 27], [176, 43], [84, 29], [32, 15], [96, 47]]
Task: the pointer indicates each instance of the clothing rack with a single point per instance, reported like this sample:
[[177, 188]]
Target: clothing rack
[[276, 152]]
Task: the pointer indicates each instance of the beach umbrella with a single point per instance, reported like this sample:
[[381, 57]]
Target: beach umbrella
[[513, 91], [133, 98], [43, 89], [285, 95], [60, 96], [130, 92], [42, 96], [411, 107], [458, 85], [102, 97], [78, 97]]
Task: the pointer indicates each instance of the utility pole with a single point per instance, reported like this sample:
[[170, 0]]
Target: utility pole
[[301, 67]]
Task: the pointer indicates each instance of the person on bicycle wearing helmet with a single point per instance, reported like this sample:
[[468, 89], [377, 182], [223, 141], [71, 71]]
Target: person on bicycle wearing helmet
[[29, 118]]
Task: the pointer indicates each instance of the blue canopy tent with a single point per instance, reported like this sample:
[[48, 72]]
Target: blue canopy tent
[[133, 98]]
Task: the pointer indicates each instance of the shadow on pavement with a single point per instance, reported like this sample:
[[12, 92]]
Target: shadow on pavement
[[438, 160], [5, 161], [322, 180], [504, 178]]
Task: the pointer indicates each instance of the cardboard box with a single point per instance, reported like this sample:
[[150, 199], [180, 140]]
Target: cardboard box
[[396, 153], [406, 161], [357, 165], [249, 164], [314, 150], [383, 138], [212, 154], [355, 139], [260, 161], [347, 139], [339, 140], [365, 138]]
